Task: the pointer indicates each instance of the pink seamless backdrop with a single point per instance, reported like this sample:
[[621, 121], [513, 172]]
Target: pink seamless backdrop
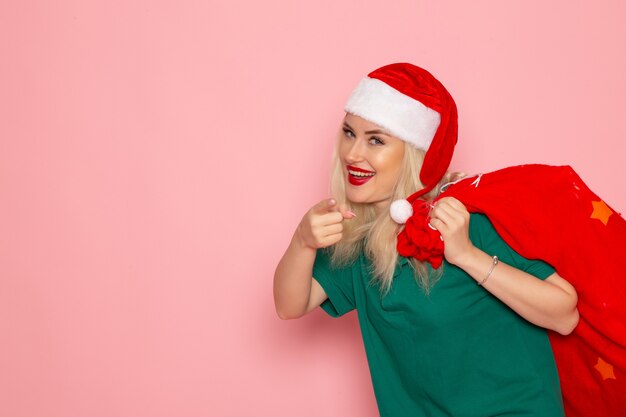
[[156, 157]]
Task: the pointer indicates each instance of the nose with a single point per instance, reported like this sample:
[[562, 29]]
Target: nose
[[355, 151]]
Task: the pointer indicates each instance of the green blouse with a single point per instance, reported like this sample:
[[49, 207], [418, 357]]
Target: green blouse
[[458, 351]]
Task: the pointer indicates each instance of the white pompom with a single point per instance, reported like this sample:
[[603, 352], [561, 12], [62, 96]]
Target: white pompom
[[400, 211]]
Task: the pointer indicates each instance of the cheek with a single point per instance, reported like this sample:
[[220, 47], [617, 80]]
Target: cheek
[[389, 179], [389, 164]]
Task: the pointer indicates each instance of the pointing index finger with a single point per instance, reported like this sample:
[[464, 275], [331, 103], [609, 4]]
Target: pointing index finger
[[325, 205]]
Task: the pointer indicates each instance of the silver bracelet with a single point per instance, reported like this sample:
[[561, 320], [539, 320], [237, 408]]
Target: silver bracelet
[[493, 265]]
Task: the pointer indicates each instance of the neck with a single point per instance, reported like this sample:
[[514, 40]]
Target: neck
[[381, 206]]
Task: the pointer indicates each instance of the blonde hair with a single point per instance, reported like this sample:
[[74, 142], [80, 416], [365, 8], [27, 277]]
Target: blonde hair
[[376, 233]]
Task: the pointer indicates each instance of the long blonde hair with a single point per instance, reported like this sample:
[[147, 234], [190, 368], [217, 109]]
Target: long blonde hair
[[376, 233]]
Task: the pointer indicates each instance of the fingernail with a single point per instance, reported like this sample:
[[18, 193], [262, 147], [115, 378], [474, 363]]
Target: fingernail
[[350, 212], [332, 201]]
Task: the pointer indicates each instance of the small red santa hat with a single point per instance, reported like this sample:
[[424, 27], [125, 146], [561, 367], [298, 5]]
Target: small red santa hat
[[414, 106]]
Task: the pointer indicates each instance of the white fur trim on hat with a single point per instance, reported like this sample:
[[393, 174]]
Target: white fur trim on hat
[[401, 115]]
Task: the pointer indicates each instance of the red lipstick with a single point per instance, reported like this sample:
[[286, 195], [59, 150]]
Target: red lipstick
[[358, 180]]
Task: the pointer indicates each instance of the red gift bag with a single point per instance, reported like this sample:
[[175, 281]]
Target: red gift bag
[[548, 213]]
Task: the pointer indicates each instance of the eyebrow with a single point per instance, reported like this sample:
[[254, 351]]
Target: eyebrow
[[369, 131]]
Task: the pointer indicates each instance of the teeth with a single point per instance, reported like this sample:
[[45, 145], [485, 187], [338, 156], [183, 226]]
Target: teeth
[[361, 174]]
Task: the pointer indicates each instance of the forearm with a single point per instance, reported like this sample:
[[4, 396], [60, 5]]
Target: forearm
[[539, 301], [292, 279]]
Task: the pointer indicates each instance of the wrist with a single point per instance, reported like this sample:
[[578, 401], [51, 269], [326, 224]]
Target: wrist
[[299, 242], [478, 264], [470, 258]]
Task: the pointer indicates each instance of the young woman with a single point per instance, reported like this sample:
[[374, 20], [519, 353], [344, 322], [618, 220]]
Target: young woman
[[464, 338]]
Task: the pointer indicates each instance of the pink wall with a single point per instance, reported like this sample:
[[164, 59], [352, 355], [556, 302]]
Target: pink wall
[[156, 156]]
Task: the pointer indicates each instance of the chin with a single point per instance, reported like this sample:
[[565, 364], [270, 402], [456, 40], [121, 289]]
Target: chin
[[363, 201], [356, 198], [354, 201]]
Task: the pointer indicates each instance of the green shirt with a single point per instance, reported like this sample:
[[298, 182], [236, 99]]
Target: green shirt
[[456, 352]]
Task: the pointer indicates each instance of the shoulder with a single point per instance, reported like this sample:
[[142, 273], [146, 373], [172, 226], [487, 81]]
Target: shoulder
[[485, 237], [481, 228], [483, 234], [479, 220]]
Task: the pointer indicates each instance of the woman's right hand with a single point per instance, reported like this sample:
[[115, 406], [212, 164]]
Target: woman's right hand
[[322, 225]]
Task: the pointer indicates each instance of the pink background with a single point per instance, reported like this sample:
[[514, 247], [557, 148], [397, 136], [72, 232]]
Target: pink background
[[156, 156]]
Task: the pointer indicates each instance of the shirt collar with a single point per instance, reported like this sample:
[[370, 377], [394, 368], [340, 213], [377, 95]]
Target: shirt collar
[[401, 262]]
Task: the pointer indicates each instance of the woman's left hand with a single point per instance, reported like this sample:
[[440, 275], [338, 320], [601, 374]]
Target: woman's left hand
[[450, 217]]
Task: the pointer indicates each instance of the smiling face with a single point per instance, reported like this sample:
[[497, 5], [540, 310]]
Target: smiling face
[[372, 161]]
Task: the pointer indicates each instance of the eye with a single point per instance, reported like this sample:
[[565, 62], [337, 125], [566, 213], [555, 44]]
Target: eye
[[348, 132], [376, 141]]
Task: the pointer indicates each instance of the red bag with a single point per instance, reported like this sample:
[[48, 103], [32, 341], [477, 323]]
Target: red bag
[[548, 213]]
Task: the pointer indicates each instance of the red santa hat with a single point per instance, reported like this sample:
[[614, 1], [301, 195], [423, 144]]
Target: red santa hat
[[414, 106]]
